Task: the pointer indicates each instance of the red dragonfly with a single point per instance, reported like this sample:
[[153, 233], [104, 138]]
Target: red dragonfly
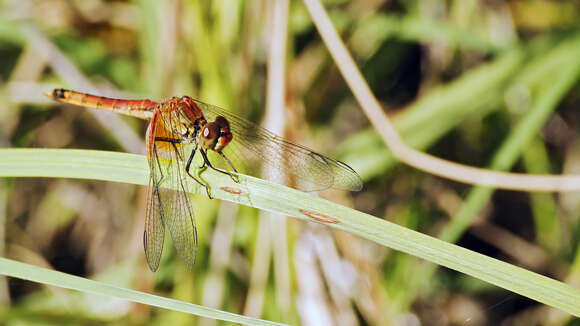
[[180, 127]]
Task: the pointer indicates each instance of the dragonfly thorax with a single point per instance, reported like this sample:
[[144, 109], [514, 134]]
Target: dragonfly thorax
[[182, 116]]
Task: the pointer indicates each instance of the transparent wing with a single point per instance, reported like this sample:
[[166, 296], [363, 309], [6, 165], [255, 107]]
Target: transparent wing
[[253, 146], [174, 207], [154, 229]]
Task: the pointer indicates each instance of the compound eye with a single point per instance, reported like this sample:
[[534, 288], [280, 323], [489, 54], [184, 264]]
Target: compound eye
[[222, 122], [210, 132]]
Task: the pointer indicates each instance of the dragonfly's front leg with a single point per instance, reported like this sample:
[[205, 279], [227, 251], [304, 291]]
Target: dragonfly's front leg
[[188, 166], [207, 162]]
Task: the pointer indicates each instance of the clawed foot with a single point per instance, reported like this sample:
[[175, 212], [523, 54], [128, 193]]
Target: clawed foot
[[208, 193], [234, 177]]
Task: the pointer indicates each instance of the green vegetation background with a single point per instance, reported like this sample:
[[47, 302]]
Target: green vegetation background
[[489, 84]]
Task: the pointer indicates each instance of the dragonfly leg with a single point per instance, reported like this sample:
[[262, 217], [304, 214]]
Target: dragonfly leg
[[208, 163], [174, 141], [188, 166], [236, 180], [169, 140], [228, 160]]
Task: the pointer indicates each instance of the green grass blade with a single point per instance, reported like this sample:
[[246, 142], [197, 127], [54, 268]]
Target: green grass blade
[[544, 207], [46, 276], [275, 198]]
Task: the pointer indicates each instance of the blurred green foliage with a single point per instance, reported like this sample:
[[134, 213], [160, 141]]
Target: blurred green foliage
[[485, 83]]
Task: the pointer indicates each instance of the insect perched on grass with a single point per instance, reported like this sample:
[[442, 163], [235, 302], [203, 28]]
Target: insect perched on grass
[[182, 126]]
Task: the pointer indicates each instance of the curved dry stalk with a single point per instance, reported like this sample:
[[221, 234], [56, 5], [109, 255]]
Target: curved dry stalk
[[410, 156]]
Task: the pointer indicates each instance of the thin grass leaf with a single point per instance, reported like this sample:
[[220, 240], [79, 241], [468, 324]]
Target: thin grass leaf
[[42, 275]]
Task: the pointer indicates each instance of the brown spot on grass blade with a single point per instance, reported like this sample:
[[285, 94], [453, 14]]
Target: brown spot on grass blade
[[319, 217], [232, 190]]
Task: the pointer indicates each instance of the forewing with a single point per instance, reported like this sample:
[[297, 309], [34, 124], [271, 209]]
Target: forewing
[[252, 144], [168, 172]]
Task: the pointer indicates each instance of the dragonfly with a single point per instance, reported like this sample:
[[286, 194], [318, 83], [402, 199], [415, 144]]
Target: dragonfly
[[182, 126]]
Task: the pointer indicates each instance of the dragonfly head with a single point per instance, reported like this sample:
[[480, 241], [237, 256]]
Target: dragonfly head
[[215, 135]]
